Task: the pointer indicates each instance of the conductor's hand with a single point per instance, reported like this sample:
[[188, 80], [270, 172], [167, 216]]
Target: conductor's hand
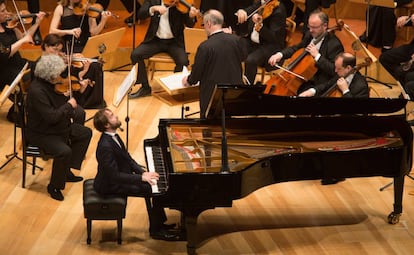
[[150, 177], [241, 16], [275, 58]]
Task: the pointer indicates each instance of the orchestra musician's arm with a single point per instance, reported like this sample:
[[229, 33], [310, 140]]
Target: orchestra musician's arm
[[327, 58], [55, 24], [405, 21], [94, 27]]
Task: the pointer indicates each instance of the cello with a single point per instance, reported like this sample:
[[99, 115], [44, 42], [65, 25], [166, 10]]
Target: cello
[[333, 90], [300, 69]]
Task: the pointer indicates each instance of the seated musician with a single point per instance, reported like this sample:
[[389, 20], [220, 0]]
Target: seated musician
[[165, 34], [71, 25], [88, 94], [266, 34], [323, 53], [119, 173], [129, 5], [346, 82], [397, 61], [218, 60], [50, 125], [11, 40]]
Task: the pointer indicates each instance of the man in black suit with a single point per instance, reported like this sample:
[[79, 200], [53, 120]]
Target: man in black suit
[[264, 37], [119, 173], [328, 46], [348, 82], [393, 59], [165, 34], [128, 4], [218, 60], [50, 124]]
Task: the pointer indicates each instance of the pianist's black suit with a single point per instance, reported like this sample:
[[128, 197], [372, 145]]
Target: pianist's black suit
[[119, 173]]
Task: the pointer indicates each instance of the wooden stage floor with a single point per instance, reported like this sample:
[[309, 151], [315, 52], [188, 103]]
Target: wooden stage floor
[[288, 218]]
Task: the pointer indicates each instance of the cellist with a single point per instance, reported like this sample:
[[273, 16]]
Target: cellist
[[348, 81], [323, 53]]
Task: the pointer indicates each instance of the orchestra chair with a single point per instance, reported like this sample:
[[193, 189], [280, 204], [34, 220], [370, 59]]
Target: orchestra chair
[[290, 30], [408, 10], [98, 207], [192, 38], [28, 150], [297, 4]]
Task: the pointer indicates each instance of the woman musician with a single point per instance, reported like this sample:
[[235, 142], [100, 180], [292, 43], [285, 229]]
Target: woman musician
[[348, 82], [83, 86], [70, 20], [323, 53], [11, 39]]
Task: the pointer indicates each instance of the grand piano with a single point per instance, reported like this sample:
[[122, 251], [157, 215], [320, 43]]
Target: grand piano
[[250, 140]]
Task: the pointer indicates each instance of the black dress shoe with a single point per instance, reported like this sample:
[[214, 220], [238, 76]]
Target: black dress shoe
[[73, 178], [329, 181], [37, 38], [142, 92], [167, 235], [55, 193]]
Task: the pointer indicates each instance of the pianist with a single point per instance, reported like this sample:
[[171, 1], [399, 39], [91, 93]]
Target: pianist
[[119, 173]]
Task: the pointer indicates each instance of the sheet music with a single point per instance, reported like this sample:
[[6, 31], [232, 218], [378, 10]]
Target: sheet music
[[8, 90], [125, 85], [175, 81]]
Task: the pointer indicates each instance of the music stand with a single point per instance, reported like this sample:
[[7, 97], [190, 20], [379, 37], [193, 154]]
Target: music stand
[[7, 91], [122, 91], [103, 43]]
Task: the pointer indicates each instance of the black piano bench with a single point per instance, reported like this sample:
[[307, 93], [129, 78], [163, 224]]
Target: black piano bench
[[98, 207]]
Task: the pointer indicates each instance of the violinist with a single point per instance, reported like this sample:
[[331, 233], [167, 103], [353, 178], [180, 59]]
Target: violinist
[[348, 83], [11, 40], [398, 61], [70, 20], [323, 53], [267, 32], [165, 34], [50, 125], [129, 5], [89, 93]]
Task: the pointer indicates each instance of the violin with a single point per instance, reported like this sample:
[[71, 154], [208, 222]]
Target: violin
[[183, 6], [333, 91], [92, 10], [63, 85], [300, 69], [25, 16]]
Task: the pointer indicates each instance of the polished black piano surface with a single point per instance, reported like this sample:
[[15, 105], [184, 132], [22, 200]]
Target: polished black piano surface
[[266, 139]]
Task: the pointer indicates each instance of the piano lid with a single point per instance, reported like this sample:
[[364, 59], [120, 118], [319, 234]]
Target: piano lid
[[244, 100]]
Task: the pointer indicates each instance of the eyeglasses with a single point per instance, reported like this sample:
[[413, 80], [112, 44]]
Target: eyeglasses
[[56, 47], [315, 27]]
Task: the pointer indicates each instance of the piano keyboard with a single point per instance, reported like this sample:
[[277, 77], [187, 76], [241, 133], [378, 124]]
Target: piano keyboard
[[154, 161]]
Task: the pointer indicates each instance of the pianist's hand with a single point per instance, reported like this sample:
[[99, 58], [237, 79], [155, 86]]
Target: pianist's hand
[[150, 177]]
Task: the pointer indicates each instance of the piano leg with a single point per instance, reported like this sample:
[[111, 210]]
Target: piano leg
[[394, 217], [190, 220]]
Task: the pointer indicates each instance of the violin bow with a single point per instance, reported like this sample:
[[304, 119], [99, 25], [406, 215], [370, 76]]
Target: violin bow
[[19, 16]]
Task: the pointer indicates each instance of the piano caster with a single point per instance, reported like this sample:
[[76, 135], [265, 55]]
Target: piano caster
[[394, 218]]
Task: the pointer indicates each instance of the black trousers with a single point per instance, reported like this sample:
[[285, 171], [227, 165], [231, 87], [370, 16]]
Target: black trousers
[[391, 60], [68, 151], [128, 4], [149, 49]]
